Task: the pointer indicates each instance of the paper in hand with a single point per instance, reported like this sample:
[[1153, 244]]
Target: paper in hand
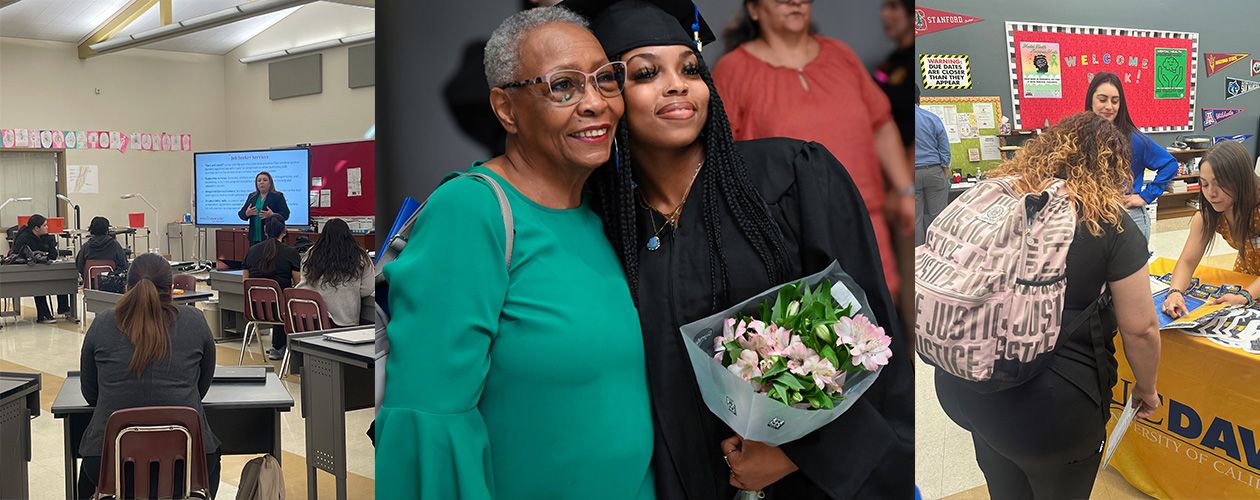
[[1117, 432]]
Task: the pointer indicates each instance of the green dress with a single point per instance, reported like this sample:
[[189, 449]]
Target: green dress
[[521, 384]]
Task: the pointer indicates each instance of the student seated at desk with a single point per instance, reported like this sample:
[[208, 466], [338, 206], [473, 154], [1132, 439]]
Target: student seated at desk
[[341, 271], [1229, 205], [34, 236], [101, 246], [271, 258], [145, 352]]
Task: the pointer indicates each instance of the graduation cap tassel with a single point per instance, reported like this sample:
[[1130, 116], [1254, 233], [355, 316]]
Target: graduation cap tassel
[[695, 29]]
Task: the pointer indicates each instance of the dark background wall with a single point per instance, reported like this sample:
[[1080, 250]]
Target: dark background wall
[[1224, 26], [421, 44]]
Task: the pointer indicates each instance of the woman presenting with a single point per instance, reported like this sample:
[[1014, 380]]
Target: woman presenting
[[264, 202]]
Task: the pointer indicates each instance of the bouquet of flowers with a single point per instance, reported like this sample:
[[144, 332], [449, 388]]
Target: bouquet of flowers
[[788, 361]]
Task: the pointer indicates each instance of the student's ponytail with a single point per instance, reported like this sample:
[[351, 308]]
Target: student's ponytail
[[145, 313], [274, 227]]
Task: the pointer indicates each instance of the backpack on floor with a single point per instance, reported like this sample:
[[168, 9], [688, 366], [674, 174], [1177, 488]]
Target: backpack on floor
[[261, 479], [990, 281], [391, 252]]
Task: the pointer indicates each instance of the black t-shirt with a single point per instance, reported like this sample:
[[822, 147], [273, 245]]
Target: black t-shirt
[[1093, 261], [285, 263], [898, 83]]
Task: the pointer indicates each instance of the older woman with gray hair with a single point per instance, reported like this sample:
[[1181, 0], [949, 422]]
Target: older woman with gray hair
[[516, 367]]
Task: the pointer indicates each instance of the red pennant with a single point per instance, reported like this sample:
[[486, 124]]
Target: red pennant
[[931, 20], [1217, 62]]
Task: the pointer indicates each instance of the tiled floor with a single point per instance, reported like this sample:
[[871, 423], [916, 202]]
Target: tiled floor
[[945, 465], [54, 349]]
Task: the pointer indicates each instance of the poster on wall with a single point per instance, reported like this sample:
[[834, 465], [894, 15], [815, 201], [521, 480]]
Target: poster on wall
[[1255, 67], [1235, 87], [1217, 62], [354, 181], [45, 139], [1170, 79], [1156, 67], [72, 139], [185, 142], [21, 138], [942, 71], [58, 139], [1041, 75], [83, 179], [931, 20], [7, 138]]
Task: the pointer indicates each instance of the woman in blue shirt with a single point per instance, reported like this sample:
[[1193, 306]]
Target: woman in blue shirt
[[1106, 98]]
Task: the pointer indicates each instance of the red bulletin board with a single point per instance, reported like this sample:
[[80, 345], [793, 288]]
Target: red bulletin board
[[1087, 50], [330, 163]]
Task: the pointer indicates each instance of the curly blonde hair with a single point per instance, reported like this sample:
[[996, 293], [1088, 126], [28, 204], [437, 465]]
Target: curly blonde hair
[[1087, 151]]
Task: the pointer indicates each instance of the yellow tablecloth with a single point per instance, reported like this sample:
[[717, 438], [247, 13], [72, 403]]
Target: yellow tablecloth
[[1204, 441]]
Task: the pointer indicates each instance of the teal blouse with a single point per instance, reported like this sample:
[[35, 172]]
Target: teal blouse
[[526, 383]]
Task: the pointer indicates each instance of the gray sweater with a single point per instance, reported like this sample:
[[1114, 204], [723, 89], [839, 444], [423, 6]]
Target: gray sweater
[[344, 301], [181, 379]]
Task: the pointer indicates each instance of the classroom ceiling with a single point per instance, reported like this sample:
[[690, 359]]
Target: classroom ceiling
[[73, 20]]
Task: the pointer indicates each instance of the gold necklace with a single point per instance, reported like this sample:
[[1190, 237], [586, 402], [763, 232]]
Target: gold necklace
[[654, 242]]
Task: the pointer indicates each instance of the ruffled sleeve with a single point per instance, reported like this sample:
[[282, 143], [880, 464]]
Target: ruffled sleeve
[[447, 289]]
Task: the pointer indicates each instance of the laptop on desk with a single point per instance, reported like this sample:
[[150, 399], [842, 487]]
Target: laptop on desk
[[353, 337], [240, 374]]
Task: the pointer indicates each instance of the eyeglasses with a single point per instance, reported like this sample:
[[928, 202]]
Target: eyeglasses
[[568, 86]]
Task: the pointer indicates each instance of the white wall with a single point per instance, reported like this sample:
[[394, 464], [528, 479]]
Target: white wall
[[45, 85], [338, 114]]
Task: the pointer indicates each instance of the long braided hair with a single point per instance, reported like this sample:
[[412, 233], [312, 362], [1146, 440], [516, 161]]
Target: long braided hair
[[726, 185]]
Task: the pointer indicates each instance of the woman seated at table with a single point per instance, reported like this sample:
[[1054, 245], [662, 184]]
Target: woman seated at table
[[1228, 202], [100, 246], [145, 352], [272, 259], [341, 271], [34, 237]]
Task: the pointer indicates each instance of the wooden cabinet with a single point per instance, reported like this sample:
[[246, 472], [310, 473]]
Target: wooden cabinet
[[1173, 205], [231, 244]]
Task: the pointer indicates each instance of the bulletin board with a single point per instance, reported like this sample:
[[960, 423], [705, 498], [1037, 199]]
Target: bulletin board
[[970, 127], [343, 178], [1051, 66]]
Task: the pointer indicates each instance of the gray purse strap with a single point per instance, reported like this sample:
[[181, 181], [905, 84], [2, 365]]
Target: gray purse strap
[[505, 208], [395, 248]]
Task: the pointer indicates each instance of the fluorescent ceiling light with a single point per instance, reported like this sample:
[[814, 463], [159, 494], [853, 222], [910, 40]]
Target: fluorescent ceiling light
[[361, 37], [111, 43], [314, 47], [199, 23]]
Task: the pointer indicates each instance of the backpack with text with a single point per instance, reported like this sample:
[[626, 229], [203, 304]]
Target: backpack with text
[[990, 281]]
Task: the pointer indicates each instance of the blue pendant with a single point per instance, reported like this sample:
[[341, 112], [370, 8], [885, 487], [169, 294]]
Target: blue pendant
[[654, 243]]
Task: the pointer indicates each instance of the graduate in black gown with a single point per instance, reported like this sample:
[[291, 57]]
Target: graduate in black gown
[[701, 222]]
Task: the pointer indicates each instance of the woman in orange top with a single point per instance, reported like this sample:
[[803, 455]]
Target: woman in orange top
[[783, 80], [1228, 205]]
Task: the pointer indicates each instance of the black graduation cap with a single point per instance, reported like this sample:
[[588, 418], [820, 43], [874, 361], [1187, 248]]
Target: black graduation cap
[[624, 25]]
